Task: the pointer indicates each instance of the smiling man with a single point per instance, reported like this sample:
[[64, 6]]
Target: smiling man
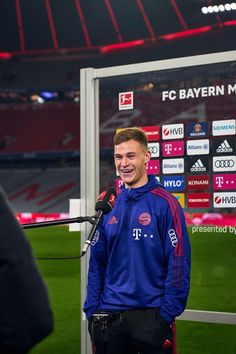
[[139, 270], [131, 158]]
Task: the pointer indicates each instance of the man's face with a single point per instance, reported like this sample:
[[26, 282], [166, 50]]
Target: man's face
[[130, 161]]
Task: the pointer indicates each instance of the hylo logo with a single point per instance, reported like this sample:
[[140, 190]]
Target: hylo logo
[[174, 183]]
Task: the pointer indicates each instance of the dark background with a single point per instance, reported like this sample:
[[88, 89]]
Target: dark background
[[44, 43], [43, 46]]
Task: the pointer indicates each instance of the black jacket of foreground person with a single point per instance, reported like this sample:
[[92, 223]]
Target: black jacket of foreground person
[[25, 313]]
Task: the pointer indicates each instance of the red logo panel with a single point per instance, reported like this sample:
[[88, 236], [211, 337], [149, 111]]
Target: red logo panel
[[126, 100], [199, 200], [152, 132], [198, 182]]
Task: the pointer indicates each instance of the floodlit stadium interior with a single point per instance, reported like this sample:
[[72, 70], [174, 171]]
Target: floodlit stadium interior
[[173, 73]]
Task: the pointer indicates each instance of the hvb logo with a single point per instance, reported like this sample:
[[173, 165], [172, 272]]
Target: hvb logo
[[225, 200], [173, 131]]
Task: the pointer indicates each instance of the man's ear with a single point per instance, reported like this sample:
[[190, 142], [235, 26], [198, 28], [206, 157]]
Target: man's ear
[[147, 157]]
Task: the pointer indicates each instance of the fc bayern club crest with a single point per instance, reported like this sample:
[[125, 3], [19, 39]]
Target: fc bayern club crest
[[144, 219]]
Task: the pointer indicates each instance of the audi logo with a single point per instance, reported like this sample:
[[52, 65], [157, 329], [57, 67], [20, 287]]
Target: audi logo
[[153, 149], [224, 163]]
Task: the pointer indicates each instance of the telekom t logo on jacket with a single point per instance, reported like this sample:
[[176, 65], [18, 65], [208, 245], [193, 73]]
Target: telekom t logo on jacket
[[137, 234]]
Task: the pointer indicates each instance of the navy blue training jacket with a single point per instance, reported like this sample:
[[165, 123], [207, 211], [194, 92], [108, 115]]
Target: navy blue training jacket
[[140, 256]]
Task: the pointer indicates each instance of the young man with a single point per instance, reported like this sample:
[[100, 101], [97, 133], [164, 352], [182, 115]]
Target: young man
[[139, 271]]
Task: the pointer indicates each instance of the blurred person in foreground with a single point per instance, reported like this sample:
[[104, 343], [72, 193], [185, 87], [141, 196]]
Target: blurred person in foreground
[[139, 272], [25, 312]]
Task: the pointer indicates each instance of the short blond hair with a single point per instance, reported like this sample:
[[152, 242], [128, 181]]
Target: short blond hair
[[127, 134]]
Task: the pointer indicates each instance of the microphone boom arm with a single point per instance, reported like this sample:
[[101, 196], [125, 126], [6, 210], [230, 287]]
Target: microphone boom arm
[[80, 219]]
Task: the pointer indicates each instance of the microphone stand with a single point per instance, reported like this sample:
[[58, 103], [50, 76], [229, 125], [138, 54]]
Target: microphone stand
[[91, 219]]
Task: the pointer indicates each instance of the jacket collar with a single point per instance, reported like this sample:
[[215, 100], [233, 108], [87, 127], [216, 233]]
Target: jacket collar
[[130, 194]]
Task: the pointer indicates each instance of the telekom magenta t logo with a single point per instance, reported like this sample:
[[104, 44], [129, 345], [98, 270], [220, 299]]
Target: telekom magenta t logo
[[173, 148], [224, 181]]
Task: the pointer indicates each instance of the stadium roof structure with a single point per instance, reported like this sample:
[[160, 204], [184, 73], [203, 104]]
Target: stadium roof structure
[[45, 43], [89, 28]]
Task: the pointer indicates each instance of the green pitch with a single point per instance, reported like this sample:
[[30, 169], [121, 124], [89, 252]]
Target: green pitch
[[62, 278], [213, 288]]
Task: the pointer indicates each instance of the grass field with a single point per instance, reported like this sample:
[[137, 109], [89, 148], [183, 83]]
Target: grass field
[[213, 288], [63, 280]]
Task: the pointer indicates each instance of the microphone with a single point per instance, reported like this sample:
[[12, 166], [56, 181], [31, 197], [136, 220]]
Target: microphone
[[104, 205]]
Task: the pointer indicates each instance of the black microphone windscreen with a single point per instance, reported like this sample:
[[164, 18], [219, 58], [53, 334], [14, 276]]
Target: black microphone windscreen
[[106, 200]]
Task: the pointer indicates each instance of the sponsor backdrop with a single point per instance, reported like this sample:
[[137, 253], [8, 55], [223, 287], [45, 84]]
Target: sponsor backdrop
[[196, 162]]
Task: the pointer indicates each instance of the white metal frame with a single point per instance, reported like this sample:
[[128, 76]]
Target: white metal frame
[[89, 150]]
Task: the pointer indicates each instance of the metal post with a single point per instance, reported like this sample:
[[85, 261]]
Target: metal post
[[89, 174]]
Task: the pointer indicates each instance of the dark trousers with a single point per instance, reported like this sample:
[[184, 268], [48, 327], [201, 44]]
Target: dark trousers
[[140, 331]]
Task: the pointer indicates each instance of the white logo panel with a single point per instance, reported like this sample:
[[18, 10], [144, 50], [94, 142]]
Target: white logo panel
[[172, 131], [224, 163], [224, 127], [170, 166], [224, 200], [154, 149], [198, 147]]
